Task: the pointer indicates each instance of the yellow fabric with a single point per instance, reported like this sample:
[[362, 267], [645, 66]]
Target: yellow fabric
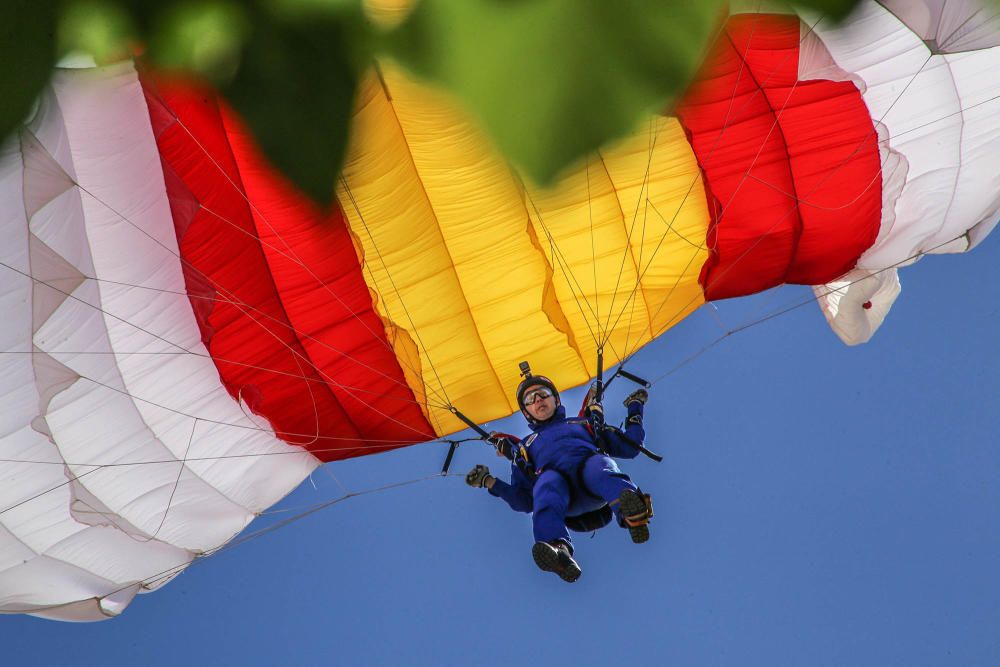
[[473, 271]]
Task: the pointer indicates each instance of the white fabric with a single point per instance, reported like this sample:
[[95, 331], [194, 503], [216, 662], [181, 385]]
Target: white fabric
[[108, 371], [856, 304], [929, 73]]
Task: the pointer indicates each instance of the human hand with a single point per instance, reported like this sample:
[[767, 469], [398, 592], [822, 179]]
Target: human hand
[[640, 395], [479, 477], [503, 444]]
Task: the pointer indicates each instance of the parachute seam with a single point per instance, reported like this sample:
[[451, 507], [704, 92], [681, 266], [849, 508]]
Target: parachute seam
[[694, 181], [151, 90], [235, 541], [105, 315], [444, 244], [784, 311], [630, 228], [240, 187], [961, 141], [562, 263]]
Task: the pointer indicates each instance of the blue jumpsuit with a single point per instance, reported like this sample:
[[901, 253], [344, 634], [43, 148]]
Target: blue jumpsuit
[[572, 476]]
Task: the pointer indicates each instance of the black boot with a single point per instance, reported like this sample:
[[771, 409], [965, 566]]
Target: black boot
[[636, 510], [556, 558]]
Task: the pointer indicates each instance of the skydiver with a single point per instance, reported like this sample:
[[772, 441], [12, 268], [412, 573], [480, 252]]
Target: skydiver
[[564, 474]]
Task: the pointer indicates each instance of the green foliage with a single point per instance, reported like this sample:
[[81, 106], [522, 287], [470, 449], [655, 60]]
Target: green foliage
[[295, 88], [206, 38], [100, 28], [552, 80], [836, 9], [28, 51]]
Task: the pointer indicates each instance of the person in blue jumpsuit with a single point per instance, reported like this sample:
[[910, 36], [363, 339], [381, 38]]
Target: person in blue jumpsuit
[[564, 473]]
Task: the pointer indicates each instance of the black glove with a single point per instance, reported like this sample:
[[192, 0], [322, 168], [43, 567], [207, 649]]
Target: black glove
[[503, 444], [640, 395], [478, 476]]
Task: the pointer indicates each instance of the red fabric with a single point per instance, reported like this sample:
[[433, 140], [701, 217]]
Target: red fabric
[[301, 346], [791, 168]]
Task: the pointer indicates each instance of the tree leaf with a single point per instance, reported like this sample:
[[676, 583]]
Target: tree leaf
[[552, 80], [295, 88], [28, 52]]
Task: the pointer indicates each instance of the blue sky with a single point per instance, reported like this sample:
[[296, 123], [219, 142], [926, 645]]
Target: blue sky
[[818, 505]]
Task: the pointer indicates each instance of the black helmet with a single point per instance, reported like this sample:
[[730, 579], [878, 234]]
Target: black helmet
[[533, 381]]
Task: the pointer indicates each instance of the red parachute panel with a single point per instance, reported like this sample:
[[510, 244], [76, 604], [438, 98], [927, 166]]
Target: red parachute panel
[[792, 167], [278, 289]]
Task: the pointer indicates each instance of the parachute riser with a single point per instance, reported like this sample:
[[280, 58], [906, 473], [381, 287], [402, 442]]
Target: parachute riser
[[600, 386], [454, 444]]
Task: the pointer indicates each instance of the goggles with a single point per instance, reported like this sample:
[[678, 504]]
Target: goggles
[[537, 395]]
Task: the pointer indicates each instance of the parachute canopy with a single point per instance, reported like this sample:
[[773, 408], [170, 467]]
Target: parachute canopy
[[188, 337]]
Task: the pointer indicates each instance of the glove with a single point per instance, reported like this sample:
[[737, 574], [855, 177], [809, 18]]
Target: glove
[[640, 395], [595, 412], [503, 444], [478, 476]]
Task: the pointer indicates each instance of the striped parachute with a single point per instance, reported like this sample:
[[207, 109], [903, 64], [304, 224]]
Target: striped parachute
[[187, 337]]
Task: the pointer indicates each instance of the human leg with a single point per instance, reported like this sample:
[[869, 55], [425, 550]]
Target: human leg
[[553, 549], [633, 509], [551, 500]]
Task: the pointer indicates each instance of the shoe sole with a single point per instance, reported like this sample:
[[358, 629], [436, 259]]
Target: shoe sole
[[632, 504], [547, 558]]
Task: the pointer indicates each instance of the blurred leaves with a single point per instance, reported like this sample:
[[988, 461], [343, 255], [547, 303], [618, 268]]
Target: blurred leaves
[[295, 88], [206, 38], [99, 28], [28, 51], [550, 80]]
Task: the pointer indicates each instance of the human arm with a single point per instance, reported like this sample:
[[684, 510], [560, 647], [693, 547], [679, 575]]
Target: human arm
[[517, 494], [635, 403], [625, 444]]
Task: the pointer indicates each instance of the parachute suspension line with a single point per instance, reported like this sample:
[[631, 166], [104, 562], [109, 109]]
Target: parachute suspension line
[[562, 263], [244, 308], [669, 229], [593, 251], [243, 426], [648, 203], [166, 574], [301, 335], [326, 468], [70, 480], [100, 466], [292, 257], [639, 202], [68, 295], [632, 300], [402, 303], [827, 208], [799, 198], [747, 175], [670, 226], [221, 457], [626, 252], [788, 309], [322, 343], [180, 472]]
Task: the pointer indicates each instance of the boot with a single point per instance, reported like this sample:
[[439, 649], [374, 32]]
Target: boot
[[556, 558], [636, 510]]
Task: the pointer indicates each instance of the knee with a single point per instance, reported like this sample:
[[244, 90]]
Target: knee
[[550, 496]]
